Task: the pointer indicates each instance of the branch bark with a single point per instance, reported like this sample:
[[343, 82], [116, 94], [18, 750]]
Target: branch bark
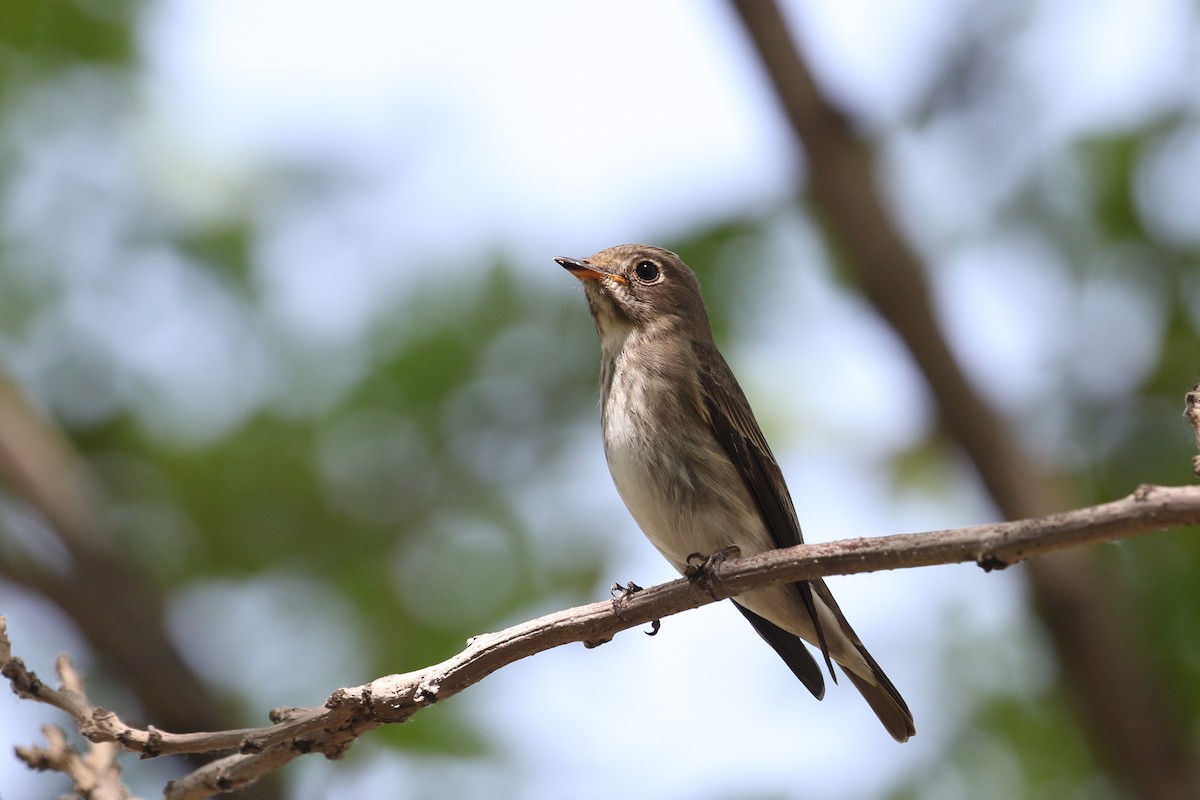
[[351, 712]]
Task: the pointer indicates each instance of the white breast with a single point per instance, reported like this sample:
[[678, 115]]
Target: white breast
[[676, 482]]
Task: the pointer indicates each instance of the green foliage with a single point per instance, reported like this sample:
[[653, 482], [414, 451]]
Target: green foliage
[[1111, 164], [1014, 747], [40, 34]]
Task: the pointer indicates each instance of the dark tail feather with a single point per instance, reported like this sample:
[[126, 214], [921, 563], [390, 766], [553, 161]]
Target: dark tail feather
[[884, 700], [810, 606], [881, 696], [791, 649]]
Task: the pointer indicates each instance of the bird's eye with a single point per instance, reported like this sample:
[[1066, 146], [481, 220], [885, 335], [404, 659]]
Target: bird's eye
[[647, 271]]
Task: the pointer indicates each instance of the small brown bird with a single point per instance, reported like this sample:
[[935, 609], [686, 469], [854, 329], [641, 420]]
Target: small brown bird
[[692, 466]]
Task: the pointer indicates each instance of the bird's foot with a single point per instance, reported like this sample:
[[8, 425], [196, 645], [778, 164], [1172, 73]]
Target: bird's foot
[[702, 570], [621, 595]]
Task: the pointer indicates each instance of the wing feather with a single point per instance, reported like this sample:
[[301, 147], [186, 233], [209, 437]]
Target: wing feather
[[742, 440]]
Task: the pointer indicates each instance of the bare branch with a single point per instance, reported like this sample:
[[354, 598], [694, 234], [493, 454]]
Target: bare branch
[[95, 774], [351, 712]]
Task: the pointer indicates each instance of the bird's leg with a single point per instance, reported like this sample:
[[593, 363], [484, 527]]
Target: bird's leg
[[702, 570]]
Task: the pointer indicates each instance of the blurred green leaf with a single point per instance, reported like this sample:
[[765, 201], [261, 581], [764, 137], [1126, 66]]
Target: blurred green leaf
[[44, 33], [1111, 163]]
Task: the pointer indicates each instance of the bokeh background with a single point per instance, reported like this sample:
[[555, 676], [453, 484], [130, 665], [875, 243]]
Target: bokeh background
[[292, 394]]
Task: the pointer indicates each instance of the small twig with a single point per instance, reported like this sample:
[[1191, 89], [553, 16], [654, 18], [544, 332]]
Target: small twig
[[95, 774], [228, 774]]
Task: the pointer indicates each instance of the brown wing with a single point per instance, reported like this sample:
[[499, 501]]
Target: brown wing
[[739, 435]]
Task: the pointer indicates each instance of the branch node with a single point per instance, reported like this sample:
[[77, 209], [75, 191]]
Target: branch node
[[289, 713], [103, 725], [427, 692], [24, 682], [989, 563], [123, 738], [153, 746]]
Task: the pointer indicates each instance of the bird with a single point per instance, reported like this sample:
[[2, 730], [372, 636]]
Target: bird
[[692, 465]]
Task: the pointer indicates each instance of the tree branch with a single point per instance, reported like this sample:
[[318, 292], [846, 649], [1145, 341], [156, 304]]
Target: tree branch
[[351, 712], [95, 774]]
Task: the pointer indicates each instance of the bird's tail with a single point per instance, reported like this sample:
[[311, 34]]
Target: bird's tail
[[884, 699], [876, 688]]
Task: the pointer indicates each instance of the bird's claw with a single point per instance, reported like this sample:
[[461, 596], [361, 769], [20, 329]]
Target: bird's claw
[[621, 595], [702, 570]]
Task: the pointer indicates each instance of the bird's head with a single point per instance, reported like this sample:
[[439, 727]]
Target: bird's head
[[638, 287]]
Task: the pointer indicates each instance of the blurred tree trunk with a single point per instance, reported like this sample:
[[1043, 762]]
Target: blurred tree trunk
[[116, 607], [1113, 687]]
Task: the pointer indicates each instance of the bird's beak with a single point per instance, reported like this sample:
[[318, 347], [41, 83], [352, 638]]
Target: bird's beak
[[586, 272]]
